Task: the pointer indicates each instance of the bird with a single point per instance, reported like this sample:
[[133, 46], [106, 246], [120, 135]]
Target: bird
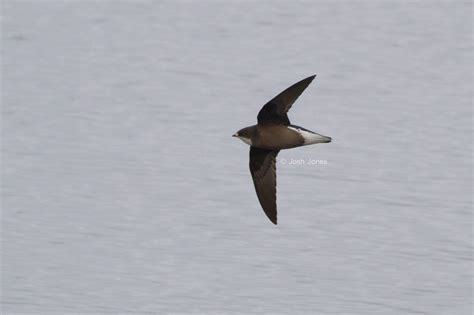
[[272, 133]]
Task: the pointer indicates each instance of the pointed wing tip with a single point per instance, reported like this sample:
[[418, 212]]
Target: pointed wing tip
[[309, 79], [274, 220]]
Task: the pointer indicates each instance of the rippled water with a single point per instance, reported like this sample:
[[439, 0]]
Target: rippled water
[[123, 191]]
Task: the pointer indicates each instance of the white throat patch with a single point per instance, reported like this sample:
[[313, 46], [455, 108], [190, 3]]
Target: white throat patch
[[246, 140]]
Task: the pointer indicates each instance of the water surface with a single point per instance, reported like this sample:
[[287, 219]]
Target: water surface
[[123, 191]]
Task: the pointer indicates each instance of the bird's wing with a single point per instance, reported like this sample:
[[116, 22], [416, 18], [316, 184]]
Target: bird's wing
[[276, 109], [263, 170]]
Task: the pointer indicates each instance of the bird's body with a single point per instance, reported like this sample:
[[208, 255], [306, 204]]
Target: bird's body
[[273, 133], [279, 137]]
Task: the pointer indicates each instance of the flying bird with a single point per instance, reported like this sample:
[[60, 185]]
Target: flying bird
[[273, 133]]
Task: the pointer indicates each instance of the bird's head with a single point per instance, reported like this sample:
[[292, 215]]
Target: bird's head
[[244, 135]]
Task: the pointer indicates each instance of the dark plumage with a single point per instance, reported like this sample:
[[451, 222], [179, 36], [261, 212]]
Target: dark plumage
[[273, 133]]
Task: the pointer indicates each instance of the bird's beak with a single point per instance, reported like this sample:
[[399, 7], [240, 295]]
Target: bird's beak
[[235, 135]]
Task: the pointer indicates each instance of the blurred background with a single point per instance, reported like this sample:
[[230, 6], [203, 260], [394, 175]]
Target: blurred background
[[123, 191]]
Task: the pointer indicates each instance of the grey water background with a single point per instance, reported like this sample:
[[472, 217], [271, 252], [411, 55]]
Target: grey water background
[[123, 191]]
